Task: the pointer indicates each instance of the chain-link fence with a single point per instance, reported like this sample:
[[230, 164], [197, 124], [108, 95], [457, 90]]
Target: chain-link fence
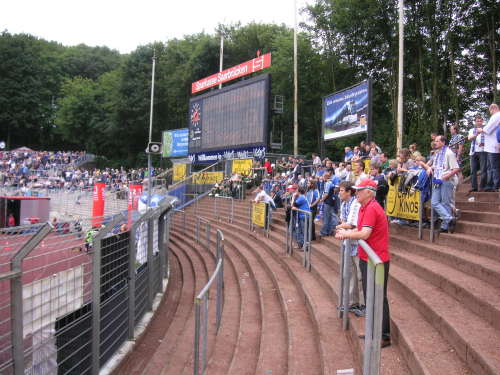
[[72, 293]]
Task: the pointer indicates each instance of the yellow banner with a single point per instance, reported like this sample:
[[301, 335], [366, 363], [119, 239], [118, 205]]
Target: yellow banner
[[242, 167], [208, 178], [402, 205], [179, 172], [259, 214]]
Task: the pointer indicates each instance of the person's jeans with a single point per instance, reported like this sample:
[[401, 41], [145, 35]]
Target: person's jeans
[[298, 229], [442, 198], [386, 321], [479, 162], [493, 170], [330, 220]]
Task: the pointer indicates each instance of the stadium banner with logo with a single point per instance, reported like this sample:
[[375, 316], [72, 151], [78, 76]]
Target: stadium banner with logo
[[208, 178], [175, 143], [259, 214], [243, 69], [403, 205], [134, 193], [210, 157], [98, 204], [242, 167], [347, 112], [179, 172]]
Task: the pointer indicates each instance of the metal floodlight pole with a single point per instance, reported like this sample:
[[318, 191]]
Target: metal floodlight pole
[[399, 139], [295, 87], [221, 56], [150, 179]]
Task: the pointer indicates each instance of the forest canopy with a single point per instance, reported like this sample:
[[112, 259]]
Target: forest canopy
[[55, 97]]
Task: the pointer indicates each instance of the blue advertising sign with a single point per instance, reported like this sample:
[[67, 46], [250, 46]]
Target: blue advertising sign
[[210, 157], [175, 143], [347, 112]]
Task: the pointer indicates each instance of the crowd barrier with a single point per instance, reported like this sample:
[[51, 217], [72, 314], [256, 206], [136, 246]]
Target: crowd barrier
[[374, 303], [70, 296], [202, 306], [293, 228], [260, 215], [218, 198]]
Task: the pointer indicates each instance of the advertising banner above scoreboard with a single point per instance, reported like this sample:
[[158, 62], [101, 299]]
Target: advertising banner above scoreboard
[[248, 67]]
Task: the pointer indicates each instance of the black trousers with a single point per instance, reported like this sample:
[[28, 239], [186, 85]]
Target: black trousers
[[479, 162], [386, 321]]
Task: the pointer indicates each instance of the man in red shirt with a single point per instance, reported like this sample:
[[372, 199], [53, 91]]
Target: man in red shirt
[[373, 228]]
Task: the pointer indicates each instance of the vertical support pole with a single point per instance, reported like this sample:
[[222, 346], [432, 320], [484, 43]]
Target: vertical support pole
[[184, 223], [377, 323], [346, 276], [162, 248], [420, 218], [16, 308], [215, 208], [341, 279], [197, 229], [151, 293], [132, 277], [431, 234], [197, 329], [96, 306], [309, 242], [367, 358], [232, 210], [207, 236], [204, 342]]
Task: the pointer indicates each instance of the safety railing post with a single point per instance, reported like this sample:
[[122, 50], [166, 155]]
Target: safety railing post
[[96, 305], [431, 234], [232, 210], [341, 279], [132, 277], [197, 329], [162, 248], [204, 340], [250, 221], [220, 278], [16, 306], [215, 208], [268, 218], [198, 230], [346, 276], [150, 268], [207, 228], [420, 217], [378, 271]]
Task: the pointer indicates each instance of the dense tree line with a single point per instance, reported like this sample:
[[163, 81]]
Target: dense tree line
[[94, 98]]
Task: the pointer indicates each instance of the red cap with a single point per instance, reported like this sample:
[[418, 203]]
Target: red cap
[[366, 184]]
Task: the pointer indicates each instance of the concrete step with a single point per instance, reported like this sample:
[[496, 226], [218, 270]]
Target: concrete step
[[478, 196], [460, 241], [459, 365], [484, 268], [327, 362], [173, 353], [478, 296], [180, 287], [482, 217], [277, 238], [241, 320], [477, 206]]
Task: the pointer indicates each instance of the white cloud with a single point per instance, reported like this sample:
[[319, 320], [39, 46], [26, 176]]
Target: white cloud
[[125, 24]]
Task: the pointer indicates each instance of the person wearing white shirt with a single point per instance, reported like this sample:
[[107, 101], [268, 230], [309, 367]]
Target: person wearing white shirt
[[492, 149], [478, 157]]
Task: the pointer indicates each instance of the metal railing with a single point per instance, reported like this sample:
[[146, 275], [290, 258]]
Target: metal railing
[[344, 283], [199, 221], [71, 295], [374, 310], [294, 229], [217, 198], [202, 306], [267, 219]]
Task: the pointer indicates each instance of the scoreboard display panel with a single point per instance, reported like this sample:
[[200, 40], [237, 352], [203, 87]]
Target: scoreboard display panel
[[233, 117]]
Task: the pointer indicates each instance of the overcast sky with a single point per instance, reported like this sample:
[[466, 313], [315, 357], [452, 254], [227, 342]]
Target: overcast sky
[[126, 24]]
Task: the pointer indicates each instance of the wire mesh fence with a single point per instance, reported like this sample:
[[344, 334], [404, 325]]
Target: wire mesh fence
[[72, 293]]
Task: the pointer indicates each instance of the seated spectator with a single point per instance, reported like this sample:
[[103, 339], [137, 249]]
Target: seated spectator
[[382, 186], [414, 153], [348, 154]]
